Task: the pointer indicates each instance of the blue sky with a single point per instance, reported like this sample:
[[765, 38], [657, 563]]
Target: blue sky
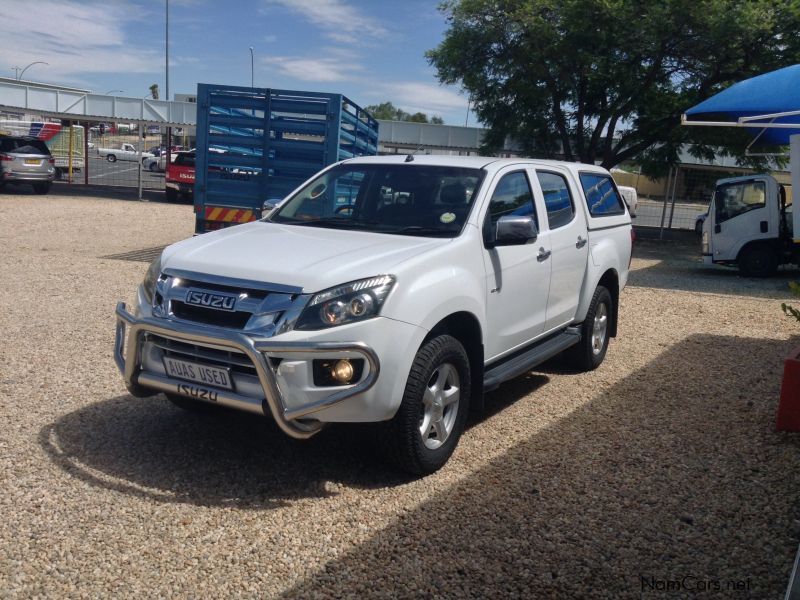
[[369, 50]]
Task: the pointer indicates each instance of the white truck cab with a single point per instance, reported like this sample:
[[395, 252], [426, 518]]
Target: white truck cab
[[391, 290], [749, 225]]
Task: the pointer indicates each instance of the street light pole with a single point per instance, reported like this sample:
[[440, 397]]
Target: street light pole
[[166, 65], [18, 72], [251, 67]]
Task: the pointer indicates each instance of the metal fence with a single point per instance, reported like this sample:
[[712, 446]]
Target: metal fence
[[89, 144], [677, 200]]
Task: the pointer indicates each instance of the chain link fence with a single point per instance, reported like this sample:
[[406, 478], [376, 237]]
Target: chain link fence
[[101, 153], [678, 201]]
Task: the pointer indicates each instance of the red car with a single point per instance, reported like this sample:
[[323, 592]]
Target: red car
[[180, 177]]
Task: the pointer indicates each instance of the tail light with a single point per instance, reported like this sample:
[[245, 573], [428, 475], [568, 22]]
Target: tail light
[[51, 160], [6, 157]]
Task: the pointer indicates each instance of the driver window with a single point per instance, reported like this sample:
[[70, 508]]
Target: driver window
[[739, 198], [512, 196]]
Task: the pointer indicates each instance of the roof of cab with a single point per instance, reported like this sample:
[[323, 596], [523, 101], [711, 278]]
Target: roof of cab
[[471, 162]]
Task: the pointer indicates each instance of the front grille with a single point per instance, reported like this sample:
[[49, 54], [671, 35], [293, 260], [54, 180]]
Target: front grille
[[250, 301], [210, 316], [233, 359]]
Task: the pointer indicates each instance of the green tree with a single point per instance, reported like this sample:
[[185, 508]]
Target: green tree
[[607, 80], [389, 112], [154, 91]]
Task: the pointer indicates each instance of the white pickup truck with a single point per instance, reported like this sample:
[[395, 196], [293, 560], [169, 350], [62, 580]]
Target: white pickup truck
[[391, 290], [123, 152]]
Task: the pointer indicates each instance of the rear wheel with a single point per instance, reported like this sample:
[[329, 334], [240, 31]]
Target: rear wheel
[[587, 354], [41, 188], [426, 428], [111, 158], [758, 261]]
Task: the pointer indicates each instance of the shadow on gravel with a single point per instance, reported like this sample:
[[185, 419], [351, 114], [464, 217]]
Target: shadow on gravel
[[672, 474], [149, 448], [680, 267], [104, 192]]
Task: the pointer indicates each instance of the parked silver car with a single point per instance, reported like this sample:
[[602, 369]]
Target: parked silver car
[[26, 160]]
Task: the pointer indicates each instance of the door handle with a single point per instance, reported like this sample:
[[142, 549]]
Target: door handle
[[543, 254], [580, 243]]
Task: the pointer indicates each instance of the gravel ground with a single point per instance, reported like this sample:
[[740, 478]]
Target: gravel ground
[[661, 466]]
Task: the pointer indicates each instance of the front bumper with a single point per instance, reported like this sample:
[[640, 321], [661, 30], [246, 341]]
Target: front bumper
[[181, 188], [294, 419]]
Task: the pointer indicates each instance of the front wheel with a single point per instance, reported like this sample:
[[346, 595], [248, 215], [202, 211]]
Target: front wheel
[[172, 195], [758, 261], [587, 354], [111, 158], [426, 428]]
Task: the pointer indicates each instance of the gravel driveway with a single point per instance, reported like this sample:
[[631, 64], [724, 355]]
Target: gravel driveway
[[659, 469]]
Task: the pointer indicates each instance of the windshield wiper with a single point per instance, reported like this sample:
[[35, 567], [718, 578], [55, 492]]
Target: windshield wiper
[[419, 229]]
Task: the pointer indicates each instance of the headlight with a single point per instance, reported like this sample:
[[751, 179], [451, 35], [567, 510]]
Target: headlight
[[150, 279], [346, 303]]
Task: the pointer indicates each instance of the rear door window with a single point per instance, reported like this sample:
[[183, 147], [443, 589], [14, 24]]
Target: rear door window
[[602, 196], [557, 198]]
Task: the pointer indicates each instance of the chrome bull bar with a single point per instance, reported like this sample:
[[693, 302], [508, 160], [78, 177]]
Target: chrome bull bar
[[256, 348]]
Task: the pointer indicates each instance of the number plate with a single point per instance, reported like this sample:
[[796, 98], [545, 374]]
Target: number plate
[[198, 373], [33, 161]]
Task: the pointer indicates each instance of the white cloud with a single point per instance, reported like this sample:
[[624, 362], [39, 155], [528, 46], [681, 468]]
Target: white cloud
[[416, 96], [73, 37], [313, 69], [340, 21]]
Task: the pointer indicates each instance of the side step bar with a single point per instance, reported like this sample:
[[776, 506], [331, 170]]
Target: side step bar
[[536, 355]]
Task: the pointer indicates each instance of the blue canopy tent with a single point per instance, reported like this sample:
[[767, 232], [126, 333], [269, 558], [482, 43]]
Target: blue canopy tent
[[767, 105]]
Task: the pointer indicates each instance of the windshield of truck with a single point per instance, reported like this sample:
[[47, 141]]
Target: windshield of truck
[[734, 199], [183, 159], [402, 199]]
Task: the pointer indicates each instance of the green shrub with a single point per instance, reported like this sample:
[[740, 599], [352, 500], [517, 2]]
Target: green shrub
[[788, 310]]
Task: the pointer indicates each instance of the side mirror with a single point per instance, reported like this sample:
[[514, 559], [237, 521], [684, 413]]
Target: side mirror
[[512, 230], [267, 207]]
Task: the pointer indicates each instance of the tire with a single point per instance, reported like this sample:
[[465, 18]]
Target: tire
[[589, 353], [111, 158], [189, 405], [758, 261], [698, 227], [41, 188], [172, 195], [436, 402]]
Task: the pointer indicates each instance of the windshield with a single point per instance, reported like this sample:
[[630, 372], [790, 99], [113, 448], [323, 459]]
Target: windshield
[[399, 199]]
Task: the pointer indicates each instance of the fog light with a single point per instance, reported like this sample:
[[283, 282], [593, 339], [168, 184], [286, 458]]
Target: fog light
[[342, 371]]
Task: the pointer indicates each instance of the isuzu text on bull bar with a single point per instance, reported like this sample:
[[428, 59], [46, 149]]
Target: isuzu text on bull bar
[[389, 290]]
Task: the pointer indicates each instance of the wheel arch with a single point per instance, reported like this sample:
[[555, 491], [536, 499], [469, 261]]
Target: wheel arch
[[610, 281], [466, 328]]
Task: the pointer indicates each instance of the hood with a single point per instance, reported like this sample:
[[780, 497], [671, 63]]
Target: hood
[[307, 257]]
